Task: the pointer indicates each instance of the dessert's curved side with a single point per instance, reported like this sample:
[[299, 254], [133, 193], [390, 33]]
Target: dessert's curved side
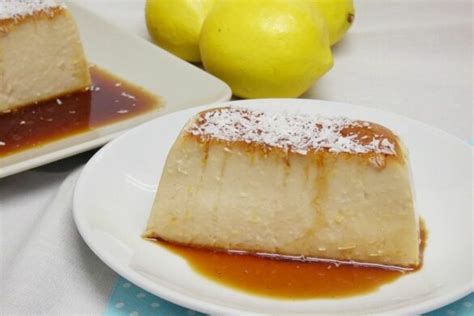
[[41, 55], [323, 203]]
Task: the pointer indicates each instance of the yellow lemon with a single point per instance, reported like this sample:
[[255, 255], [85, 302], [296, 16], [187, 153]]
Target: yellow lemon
[[175, 25], [265, 48], [338, 14]]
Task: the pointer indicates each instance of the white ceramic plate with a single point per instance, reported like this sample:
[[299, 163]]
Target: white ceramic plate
[[115, 191], [180, 84]]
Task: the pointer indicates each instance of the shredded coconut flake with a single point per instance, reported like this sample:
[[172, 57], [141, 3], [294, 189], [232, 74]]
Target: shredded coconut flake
[[129, 96], [19, 8], [295, 132]]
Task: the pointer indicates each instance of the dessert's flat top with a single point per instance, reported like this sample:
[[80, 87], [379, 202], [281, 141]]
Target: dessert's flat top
[[20, 8], [298, 133]]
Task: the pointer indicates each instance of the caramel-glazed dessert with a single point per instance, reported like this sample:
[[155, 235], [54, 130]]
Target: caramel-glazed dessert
[[41, 55], [288, 184]]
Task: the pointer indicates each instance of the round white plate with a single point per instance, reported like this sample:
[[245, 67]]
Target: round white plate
[[115, 192]]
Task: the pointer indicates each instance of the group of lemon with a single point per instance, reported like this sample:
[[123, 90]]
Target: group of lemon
[[261, 48]]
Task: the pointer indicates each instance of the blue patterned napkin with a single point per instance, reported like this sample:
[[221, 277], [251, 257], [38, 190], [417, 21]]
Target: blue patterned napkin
[[129, 300]]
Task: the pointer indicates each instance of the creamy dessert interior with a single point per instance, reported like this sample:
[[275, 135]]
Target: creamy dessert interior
[[288, 184], [41, 55]]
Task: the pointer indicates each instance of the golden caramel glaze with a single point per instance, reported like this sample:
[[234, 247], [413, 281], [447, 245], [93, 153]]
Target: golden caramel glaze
[[153, 237], [320, 156], [7, 24], [36, 125], [284, 279], [364, 132], [422, 246], [288, 278]]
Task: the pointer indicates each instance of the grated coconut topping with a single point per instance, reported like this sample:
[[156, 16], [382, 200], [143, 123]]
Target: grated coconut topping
[[294, 132], [19, 8]]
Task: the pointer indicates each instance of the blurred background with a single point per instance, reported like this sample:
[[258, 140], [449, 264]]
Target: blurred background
[[409, 57]]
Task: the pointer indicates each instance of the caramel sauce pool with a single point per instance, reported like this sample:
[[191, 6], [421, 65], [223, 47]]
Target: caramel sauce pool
[[287, 279], [108, 100]]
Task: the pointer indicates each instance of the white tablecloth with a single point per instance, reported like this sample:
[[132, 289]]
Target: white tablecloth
[[409, 57]]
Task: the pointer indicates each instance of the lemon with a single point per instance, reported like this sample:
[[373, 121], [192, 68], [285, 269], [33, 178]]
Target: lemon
[[338, 14], [265, 48], [175, 25]]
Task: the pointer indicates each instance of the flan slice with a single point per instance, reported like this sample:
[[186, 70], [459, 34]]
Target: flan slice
[[238, 179], [41, 55]]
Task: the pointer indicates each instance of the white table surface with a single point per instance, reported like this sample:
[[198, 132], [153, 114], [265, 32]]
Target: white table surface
[[413, 57]]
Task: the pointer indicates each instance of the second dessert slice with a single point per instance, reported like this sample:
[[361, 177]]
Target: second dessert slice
[[41, 55]]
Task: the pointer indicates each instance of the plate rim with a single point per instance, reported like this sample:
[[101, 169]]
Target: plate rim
[[206, 307]]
